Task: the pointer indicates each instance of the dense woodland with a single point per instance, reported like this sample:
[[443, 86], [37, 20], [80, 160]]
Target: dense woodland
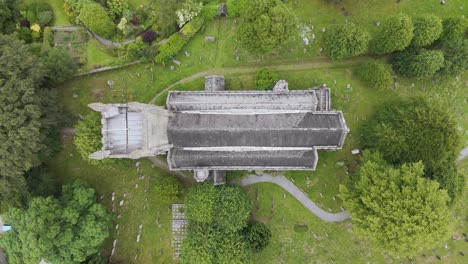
[[400, 193]]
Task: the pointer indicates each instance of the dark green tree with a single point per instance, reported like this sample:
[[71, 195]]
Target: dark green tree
[[13, 192], [65, 230], [166, 23], [346, 40], [59, 65], [88, 136], [201, 203], [454, 28], [418, 62], [455, 56], [95, 18], [232, 208], [265, 79], [427, 29], [267, 25], [257, 235], [377, 74], [398, 209], [167, 188], [9, 15], [395, 34]]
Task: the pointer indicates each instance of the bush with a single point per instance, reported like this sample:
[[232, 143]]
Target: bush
[[88, 136], [456, 56], [395, 34], [265, 79], [167, 188], [39, 12], [192, 27], [235, 7], [95, 18], [117, 7], [376, 74], [257, 235], [454, 28], [345, 40], [25, 34], [148, 37], [47, 40], [418, 63], [45, 17], [209, 12], [60, 66], [427, 29]]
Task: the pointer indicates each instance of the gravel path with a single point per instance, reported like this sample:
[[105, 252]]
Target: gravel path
[[284, 183]]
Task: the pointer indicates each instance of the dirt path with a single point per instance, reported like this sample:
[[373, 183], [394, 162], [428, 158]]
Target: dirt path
[[284, 183], [292, 65]]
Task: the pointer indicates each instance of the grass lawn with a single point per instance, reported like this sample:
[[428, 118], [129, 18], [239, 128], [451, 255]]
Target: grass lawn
[[97, 55], [60, 18]]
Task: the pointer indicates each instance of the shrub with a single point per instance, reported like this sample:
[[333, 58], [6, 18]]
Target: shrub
[[188, 11], [25, 34], [148, 36], [167, 188], [95, 18], [456, 56], [345, 40], [117, 7], [454, 28], [88, 136], [47, 40], [418, 63], [24, 23], [265, 79], [427, 29], [73, 7], [209, 12], [60, 66], [257, 235], [376, 74], [395, 34], [39, 12], [235, 7], [192, 27], [45, 17]]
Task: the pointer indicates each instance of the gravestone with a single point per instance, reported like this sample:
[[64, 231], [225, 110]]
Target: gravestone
[[210, 38]]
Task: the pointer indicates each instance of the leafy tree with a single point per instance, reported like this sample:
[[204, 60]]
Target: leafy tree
[[454, 28], [267, 25], [60, 66], [395, 34], [189, 10], [88, 136], [95, 18], [41, 182], [396, 207], [232, 208], [201, 203], [73, 7], [235, 7], [9, 14], [265, 79], [257, 235], [167, 188], [418, 63], [24, 34], [117, 7], [376, 74], [12, 192], [427, 29], [65, 230], [20, 115], [47, 40], [345, 40], [148, 36], [415, 130], [455, 56], [166, 17]]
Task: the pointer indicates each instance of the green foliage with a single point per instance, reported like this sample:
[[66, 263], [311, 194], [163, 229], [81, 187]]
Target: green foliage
[[396, 207], [258, 236], [345, 40], [41, 182], [455, 56], [165, 14], [265, 79], [96, 259], [117, 7], [301, 228], [167, 188], [88, 136], [65, 230], [73, 7], [449, 179], [235, 7], [13, 192], [95, 18], [24, 34], [267, 25], [60, 66], [395, 34], [201, 203], [232, 208], [191, 28], [47, 40], [454, 28], [9, 15], [418, 63], [376, 74], [414, 130], [40, 12], [427, 29], [189, 10], [209, 12]]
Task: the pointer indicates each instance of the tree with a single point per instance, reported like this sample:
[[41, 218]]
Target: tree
[[454, 28], [265, 79], [167, 188], [232, 208], [257, 235], [418, 62], [415, 130], [95, 18], [20, 117], [65, 230], [395, 34], [455, 56], [117, 7], [345, 40], [267, 25], [166, 17], [9, 15], [396, 207], [88, 136], [12, 192], [201, 203], [376, 74], [148, 36], [60, 66], [427, 29], [189, 10]]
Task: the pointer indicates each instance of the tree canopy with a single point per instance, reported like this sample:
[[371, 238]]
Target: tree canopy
[[65, 230], [454, 28], [95, 18], [167, 188], [345, 40], [377, 74], [455, 56], [427, 29], [418, 62], [257, 235], [266, 25], [395, 34], [265, 79], [9, 14], [59, 65], [395, 206], [88, 136]]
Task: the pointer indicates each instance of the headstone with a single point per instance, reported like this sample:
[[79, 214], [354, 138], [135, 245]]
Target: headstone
[[75, 95], [377, 23], [121, 203], [110, 83], [210, 38], [187, 54], [137, 164], [442, 2], [237, 58], [172, 68], [355, 151], [323, 30], [177, 62], [321, 195], [321, 49]]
